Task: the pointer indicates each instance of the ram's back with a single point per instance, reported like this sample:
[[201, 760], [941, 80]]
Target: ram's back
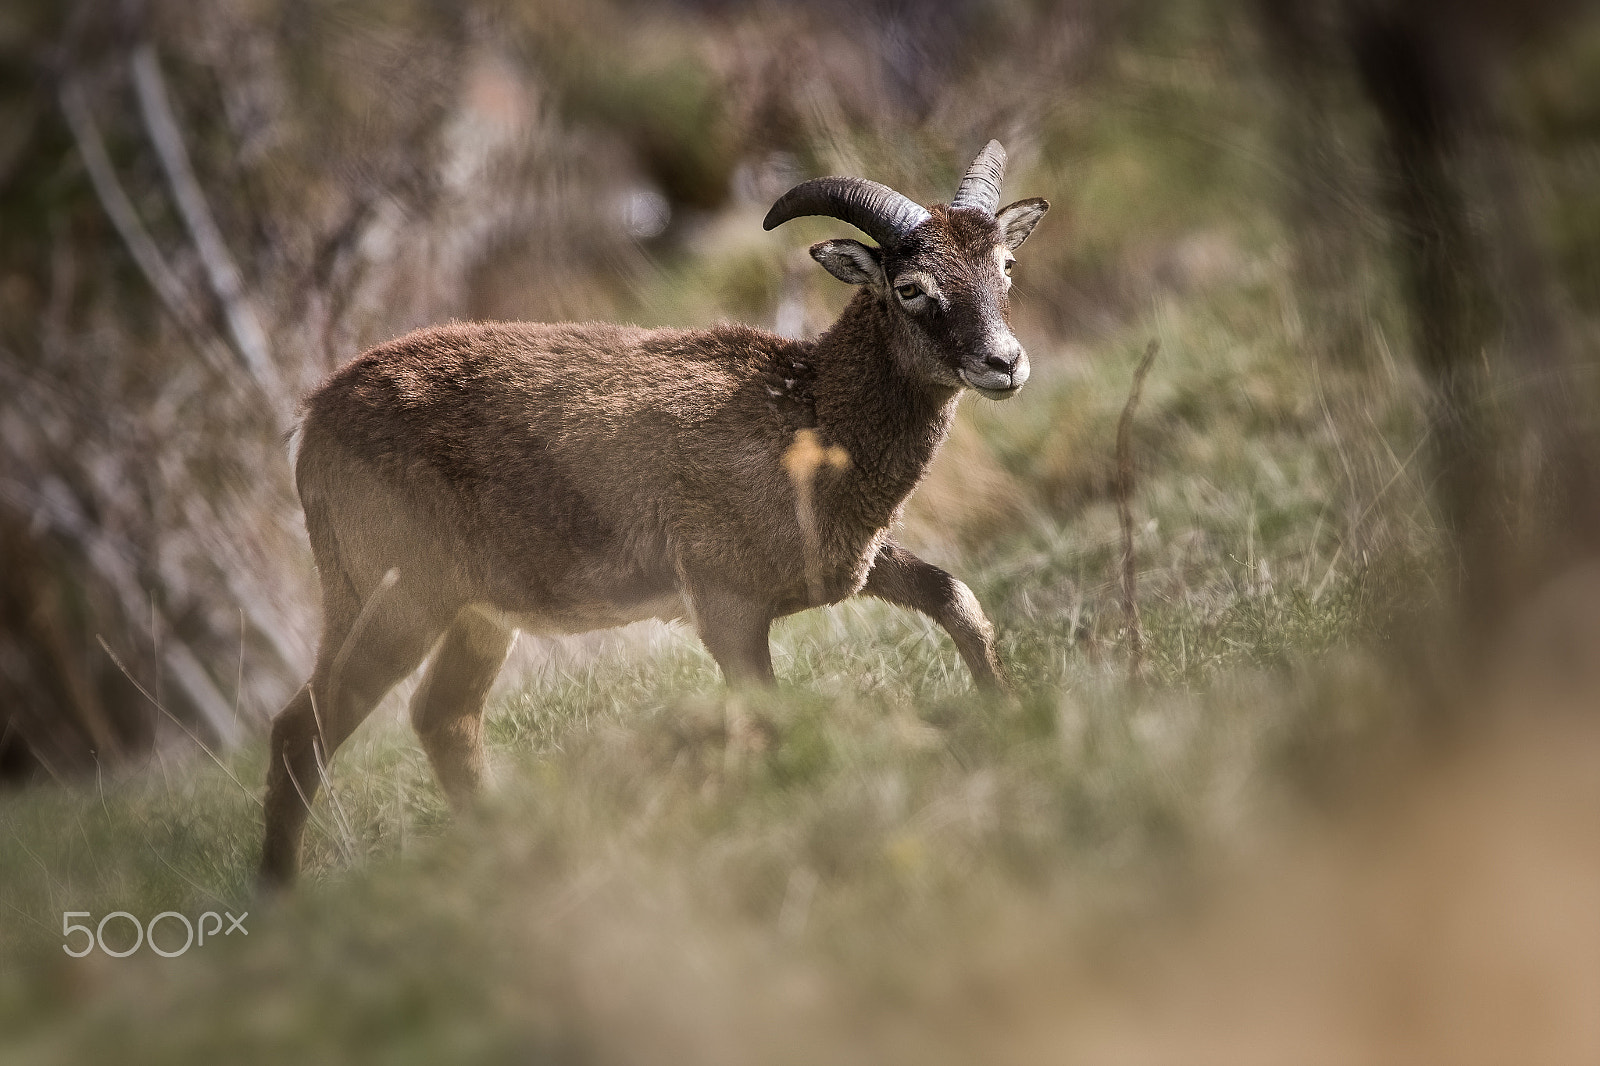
[[541, 468]]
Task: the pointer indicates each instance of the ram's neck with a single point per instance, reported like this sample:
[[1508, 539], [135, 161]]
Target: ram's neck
[[870, 403]]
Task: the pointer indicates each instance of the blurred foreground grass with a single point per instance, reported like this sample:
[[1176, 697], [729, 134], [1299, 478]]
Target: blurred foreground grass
[[859, 866], [872, 863], [869, 865], [669, 873]]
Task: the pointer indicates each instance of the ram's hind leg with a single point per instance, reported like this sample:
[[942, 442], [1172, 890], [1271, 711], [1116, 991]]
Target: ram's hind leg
[[447, 709], [364, 651]]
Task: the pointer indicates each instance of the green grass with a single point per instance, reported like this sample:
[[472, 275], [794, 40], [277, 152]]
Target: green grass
[[870, 862], [667, 872], [861, 829]]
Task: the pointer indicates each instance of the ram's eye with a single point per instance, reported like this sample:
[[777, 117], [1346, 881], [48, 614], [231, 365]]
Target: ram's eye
[[908, 292], [1009, 264]]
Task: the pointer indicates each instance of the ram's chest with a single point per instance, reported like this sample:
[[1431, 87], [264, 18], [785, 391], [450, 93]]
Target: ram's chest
[[826, 570], [838, 531]]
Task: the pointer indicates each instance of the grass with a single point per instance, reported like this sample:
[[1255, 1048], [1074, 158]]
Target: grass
[[871, 863], [857, 866], [654, 840]]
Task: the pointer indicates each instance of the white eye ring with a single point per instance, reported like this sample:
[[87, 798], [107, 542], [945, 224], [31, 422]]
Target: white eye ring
[[909, 291]]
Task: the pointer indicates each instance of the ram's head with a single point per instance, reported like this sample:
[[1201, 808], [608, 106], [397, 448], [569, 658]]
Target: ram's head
[[943, 273]]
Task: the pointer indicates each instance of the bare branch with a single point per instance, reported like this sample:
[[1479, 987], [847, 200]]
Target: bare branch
[[146, 256], [223, 274], [1130, 578]]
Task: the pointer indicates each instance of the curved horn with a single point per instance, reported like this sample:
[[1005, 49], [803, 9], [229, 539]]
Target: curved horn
[[876, 210], [981, 185]]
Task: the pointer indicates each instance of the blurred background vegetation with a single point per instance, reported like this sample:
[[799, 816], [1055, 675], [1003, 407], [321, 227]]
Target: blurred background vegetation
[[1366, 233]]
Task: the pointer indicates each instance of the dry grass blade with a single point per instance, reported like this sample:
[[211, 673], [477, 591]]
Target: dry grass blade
[[176, 720], [125, 219], [1130, 579]]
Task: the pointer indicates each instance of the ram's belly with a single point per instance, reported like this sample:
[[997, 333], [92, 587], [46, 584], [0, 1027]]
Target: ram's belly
[[573, 618], [557, 591]]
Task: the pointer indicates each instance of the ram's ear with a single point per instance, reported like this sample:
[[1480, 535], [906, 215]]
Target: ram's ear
[[1017, 220], [850, 261]]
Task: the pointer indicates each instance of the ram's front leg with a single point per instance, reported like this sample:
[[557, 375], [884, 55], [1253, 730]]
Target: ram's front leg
[[901, 578], [734, 629]]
